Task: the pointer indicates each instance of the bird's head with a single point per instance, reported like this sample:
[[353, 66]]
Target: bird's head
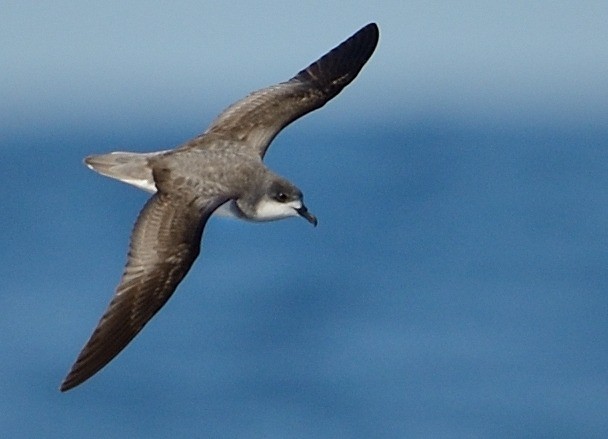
[[277, 200]]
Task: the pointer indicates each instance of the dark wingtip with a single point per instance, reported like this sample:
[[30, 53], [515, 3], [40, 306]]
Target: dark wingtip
[[66, 385], [72, 379], [342, 64], [372, 28]]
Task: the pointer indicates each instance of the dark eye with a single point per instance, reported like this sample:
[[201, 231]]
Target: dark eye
[[281, 197]]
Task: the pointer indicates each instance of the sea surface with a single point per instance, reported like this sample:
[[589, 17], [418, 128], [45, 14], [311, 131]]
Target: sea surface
[[456, 286]]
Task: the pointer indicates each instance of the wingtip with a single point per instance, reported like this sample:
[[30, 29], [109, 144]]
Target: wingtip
[[372, 29], [372, 26], [76, 376], [372, 32], [66, 385], [70, 381]]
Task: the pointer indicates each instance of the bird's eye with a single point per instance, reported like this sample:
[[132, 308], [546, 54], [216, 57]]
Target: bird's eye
[[281, 197]]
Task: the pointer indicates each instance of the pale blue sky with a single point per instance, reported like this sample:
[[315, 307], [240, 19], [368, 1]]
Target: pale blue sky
[[65, 60]]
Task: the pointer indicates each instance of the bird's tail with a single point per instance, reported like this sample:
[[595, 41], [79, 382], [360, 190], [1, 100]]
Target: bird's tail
[[128, 167]]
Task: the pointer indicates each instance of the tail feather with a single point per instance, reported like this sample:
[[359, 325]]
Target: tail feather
[[128, 167]]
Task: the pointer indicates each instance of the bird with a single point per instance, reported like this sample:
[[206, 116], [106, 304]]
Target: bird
[[220, 170]]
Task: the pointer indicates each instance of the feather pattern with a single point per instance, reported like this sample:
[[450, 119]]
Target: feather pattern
[[259, 117], [164, 244]]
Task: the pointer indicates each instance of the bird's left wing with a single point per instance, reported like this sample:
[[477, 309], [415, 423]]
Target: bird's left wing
[[259, 117], [164, 244]]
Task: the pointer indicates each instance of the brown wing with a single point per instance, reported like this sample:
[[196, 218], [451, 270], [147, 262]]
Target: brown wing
[[164, 244], [259, 117]]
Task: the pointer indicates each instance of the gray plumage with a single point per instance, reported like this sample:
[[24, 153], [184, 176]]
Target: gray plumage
[[221, 167]]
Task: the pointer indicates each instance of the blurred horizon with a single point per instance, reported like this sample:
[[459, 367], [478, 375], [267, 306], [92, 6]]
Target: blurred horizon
[[466, 61]]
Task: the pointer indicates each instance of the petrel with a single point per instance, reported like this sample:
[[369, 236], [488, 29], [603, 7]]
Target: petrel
[[222, 167]]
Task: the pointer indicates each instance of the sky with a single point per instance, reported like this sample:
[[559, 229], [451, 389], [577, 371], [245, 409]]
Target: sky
[[77, 61], [455, 285]]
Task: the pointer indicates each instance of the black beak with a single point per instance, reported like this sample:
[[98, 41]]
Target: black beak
[[304, 213]]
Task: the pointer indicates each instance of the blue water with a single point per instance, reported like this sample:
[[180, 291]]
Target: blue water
[[455, 287]]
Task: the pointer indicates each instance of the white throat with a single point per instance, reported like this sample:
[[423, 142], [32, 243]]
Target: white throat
[[271, 210]]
